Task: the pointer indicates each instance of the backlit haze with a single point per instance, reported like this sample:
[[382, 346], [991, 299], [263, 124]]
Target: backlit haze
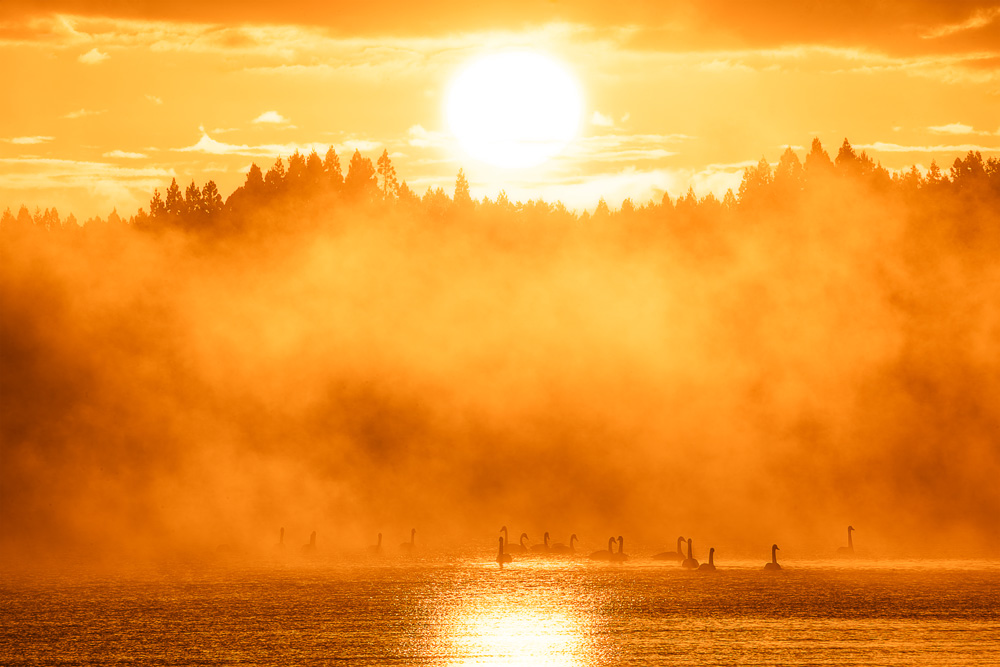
[[104, 101], [815, 350]]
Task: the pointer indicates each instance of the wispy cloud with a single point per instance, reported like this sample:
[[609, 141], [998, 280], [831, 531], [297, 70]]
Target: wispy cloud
[[601, 120], [952, 148], [210, 146], [26, 141], [979, 19], [154, 99], [83, 113], [124, 154], [272, 118], [93, 57], [420, 137], [961, 128]]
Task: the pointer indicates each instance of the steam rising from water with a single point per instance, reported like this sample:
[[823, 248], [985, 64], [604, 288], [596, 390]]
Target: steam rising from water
[[742, 381]]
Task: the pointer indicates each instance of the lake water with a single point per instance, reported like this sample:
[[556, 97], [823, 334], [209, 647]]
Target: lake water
[[466, 611]]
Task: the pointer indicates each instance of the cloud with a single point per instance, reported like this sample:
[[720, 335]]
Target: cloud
[[271, 117], [897, 148], [419, 137], [93, 57], [154, 99], [124, 154], [979, 19], [210, 146], [961, 128], [83, 113], [601, 120], [24, 141]]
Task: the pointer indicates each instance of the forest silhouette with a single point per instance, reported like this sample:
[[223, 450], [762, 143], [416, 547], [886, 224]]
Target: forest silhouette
[[332, 352]]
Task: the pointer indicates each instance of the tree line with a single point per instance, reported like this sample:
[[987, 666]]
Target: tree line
[[319, 184]]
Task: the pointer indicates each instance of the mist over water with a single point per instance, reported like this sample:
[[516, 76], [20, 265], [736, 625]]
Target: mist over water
[[771, 376]]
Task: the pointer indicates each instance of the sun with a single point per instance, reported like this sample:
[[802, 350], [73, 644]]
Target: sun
[[514, 109]]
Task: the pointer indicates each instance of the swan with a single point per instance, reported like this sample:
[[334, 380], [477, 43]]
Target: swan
[[689, 562], [311, 547], [544, 547], [710, 565], [408, 546], [560, 548], [604, 554], [773, 565], [621, 555], [376, 548], [671, 555], [502, 557], [520, 547], [281, 539], [849, 549]]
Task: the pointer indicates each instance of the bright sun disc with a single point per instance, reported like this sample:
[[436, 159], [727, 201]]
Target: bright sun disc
[[514, 109]]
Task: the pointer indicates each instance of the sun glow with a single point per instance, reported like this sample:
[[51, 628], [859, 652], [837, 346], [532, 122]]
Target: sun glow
[[514, 109]]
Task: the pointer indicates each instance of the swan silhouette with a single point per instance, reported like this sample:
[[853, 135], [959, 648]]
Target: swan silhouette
[[281, 539], [689, 562], [560, 548], [311, 547], [377, 547], [849, 549], [520, 547], [773, 565], [604, 554], [621, 555], [502, 557], [710, 565], [671, 555], [408, 546], [544, 547]]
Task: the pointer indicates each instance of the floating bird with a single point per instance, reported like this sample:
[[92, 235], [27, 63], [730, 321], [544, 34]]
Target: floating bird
[[689, 562], [560, 548], [376, 548], [502, 557], [604, 554], [408, 546], [849, 549], [520, 547], [544, 547], [710, 565], [311, 547], [671, 555], [773, 565], [621, 555]]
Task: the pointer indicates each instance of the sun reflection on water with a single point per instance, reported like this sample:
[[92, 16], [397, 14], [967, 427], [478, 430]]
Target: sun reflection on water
[[530, 631]]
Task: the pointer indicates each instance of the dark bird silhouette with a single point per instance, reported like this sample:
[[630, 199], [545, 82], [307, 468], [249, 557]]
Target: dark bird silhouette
[[773, 565], [520, 547], [281, 539], [604, 554], [690, 562], [671, 555], [560, 548], [409, 546], [710, 565], [311, 547], [544, 546], [376, 548], [621, 555], [849, 549], [502, 557]]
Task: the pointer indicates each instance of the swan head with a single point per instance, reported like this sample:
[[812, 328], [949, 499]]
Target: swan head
[[775, 547], [503, 529], [573, 538], [850, 528], [524, 536], [413, 531]]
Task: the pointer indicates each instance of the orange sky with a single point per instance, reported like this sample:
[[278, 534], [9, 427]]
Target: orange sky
[[105, 100]]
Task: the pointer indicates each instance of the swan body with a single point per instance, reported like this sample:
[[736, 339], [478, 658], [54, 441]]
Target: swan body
[[849, 549], [690, 562], [560, 548], [710, 565], [604, 554], [544, 547], [376, 548], [502, 557], [621, 556], [408, 546], [311, 547], [773, 565], [671, 555]]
